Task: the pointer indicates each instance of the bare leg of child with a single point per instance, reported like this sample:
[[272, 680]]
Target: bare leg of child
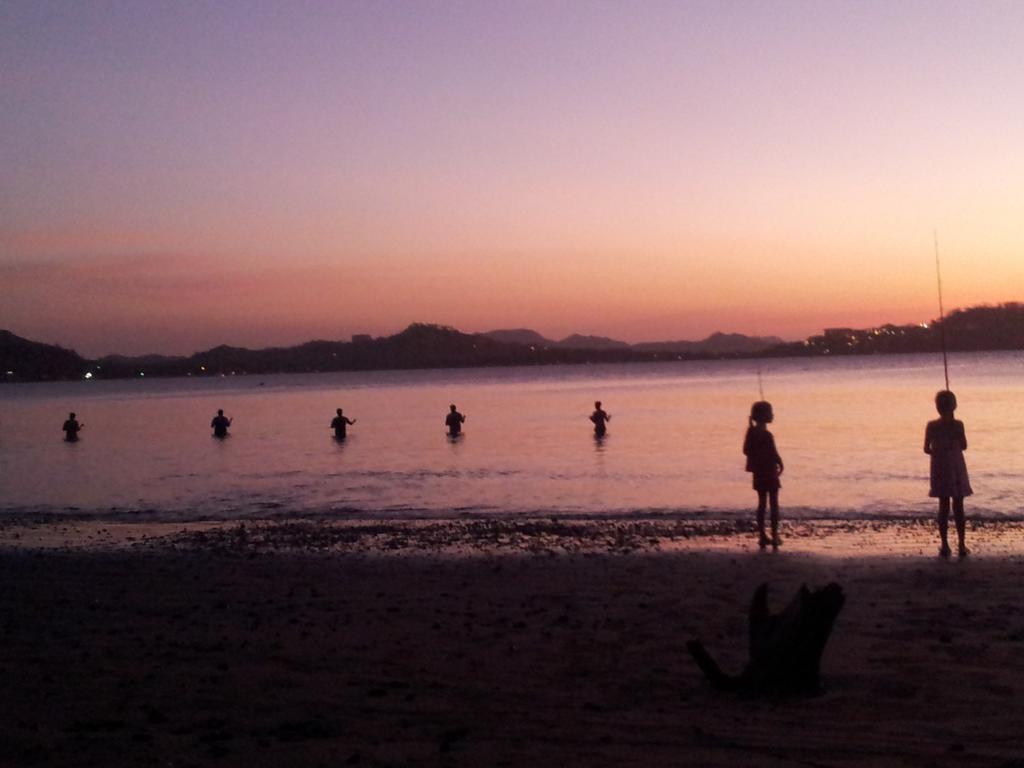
[[944, 525], [773, 497], [961, 524], [762, 500]]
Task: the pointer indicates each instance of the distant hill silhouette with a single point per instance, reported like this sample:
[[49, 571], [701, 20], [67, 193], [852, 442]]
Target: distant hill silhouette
[[575, 341], [591, 342], [434, 346], [24, 360], [986, 327], [715, 344], [519, 336]]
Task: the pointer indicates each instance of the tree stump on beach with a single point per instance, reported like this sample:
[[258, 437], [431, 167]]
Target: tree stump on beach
[[785, 648]]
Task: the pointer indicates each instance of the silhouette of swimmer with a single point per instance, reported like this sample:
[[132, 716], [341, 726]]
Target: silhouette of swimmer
[[600, 419], [454, 421], [338, 424], [945, 441], [220, 424], [764, 462], [71, 428]]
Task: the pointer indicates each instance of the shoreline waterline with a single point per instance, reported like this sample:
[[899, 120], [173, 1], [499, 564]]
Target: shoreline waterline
[[467, 535]]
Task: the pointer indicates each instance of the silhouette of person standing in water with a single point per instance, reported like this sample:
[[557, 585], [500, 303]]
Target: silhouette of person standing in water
[[764, 462], [220, 424], [454, 421], [600, 418], [71, 428], [338, 424], [945, 441]]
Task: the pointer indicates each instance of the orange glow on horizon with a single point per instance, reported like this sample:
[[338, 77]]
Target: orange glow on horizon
[[182, 304], [170, 185]]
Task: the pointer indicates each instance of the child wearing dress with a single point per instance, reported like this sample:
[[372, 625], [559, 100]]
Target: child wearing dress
[[764, 462], [945, 442]]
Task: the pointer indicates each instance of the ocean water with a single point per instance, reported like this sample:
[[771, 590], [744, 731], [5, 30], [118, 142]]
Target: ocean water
[[850, 431]]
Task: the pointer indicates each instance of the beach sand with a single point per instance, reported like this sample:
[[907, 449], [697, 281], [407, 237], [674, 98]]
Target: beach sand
[[510, 643]]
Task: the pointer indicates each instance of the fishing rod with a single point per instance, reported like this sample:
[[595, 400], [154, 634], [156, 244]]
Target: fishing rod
[[760, 384], [942, 314]]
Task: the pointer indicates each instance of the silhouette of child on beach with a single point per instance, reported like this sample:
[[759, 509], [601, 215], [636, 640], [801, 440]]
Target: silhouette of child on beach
[[220, 424], [454, 421], [764, 462], [600, 419], [71, 428], [338, 424], [945, 442]]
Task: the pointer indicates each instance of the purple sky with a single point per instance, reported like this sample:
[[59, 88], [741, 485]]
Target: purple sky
[[178, 175]]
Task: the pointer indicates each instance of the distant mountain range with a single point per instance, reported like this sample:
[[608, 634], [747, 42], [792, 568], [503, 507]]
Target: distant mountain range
[[418, 346], [432, 346], [713, 345]]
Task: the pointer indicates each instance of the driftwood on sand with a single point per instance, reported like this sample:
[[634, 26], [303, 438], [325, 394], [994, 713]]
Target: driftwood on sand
[[785, 648]]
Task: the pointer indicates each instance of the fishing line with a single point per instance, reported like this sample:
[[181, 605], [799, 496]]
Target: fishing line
[[942, 314]]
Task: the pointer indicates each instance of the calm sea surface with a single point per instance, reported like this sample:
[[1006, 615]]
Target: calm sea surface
[[850, 431]]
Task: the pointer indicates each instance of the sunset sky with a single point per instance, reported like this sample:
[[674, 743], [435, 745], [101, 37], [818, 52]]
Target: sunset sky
[[178, 175]]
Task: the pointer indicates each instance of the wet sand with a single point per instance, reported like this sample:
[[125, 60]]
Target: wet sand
[[518, 643]]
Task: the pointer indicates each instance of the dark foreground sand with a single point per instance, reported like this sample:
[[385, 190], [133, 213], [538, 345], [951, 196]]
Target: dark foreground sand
[[305, 644]]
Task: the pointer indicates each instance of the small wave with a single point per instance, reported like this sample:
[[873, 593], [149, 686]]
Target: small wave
[[278, 508]]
